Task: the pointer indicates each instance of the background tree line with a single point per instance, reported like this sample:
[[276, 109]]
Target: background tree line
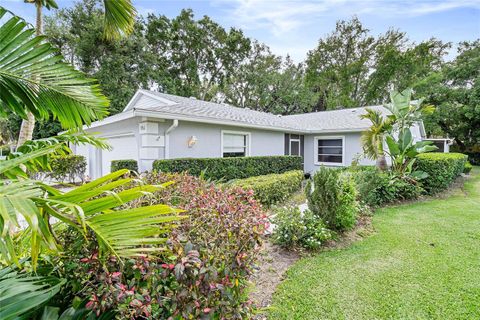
[[191, 56]]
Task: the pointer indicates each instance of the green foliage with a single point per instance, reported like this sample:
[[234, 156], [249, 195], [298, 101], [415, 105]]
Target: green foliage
[[376, 188], [20, 294], [223, 231], [432, 243], [87, 208], [70, 167], [230, 168], [468, 167], [129, 164], [403, 152], [37, 81], [350, 67], [299, 229], [332, 196], [272, 188], [455, 90], [275, 85], [442, 169]]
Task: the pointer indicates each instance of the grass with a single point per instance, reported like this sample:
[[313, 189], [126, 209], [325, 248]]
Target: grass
[[423, 262]]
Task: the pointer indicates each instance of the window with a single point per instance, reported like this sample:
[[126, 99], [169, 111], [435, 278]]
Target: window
[[293, 144], [235, 144], [329, 150]]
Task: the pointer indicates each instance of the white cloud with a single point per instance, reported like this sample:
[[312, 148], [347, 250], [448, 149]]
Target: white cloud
[[143, 11], [281, 16]]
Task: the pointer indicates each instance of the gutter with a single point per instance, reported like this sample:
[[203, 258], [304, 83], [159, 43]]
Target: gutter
[[167, 138]]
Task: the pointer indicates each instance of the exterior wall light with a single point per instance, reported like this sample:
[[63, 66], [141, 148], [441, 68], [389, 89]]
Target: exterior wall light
[[192, 141]]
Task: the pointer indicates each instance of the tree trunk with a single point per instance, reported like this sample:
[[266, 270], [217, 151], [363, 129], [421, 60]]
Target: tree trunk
[[26, 129], [382, 162]]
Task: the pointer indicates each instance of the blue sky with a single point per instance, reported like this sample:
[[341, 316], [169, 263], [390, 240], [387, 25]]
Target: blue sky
[[294, 27]]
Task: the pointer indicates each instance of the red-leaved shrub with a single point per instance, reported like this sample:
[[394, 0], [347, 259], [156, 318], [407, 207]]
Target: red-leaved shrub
[[225, 226], [203, 275]]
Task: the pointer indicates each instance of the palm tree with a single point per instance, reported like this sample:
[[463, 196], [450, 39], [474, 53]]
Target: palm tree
[[33, 78], [374, 137], [28, 124], [119, 20]]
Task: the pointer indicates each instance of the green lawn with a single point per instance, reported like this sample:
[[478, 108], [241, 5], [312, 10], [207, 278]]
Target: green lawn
[[423, 262]]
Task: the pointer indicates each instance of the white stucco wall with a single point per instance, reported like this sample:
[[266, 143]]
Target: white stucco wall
[[208, 145], [352, 148], [144, 139], [122, 135]]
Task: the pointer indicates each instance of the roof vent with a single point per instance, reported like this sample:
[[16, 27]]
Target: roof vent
[[193, 98]]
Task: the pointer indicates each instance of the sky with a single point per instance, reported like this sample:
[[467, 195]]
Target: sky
[[294, 27]]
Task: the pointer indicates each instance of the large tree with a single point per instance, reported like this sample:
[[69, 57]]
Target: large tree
[[266, 82], [121, 66], [351, 68], [455, 90], [194, 57]]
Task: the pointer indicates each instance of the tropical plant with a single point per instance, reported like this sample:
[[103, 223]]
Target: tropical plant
[[403, 152], [28, 124], [118, 20], [20, 294], [373, 138], [34, 79], [405, 112]]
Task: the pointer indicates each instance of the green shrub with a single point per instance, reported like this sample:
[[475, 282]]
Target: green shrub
[[468, 168], [299, 229], [442, 169], [332, 197], [376, 188], [223, 231], [272, 188], [68, 168], [129, 164], [230, 168]]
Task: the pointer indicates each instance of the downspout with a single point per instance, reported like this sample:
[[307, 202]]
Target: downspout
[[167, 138]]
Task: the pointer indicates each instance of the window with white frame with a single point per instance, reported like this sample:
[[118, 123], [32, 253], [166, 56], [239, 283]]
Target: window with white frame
[[235, 144], [329, 150]]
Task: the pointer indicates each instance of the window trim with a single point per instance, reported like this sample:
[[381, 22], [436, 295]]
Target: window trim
[[249, 140], [315, 151], [299, 146]]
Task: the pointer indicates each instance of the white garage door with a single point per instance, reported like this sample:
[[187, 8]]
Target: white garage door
[[123, 147]]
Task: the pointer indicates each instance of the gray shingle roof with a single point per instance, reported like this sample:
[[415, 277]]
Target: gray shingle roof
[[333, 120], [328, 121], [219, 111]]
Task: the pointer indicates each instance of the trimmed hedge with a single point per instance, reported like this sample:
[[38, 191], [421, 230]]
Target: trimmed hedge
[[68, 167], [468, 168], [230, 168], [442, 168], [272, 188], [129, 164]]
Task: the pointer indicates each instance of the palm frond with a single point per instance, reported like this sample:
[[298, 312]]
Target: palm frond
[[19, 295], [34, 78], [12, 168], [94, 206], [119, 18], [133, 232]]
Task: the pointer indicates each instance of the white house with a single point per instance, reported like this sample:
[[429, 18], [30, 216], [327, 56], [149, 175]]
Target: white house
[[162, 126]]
